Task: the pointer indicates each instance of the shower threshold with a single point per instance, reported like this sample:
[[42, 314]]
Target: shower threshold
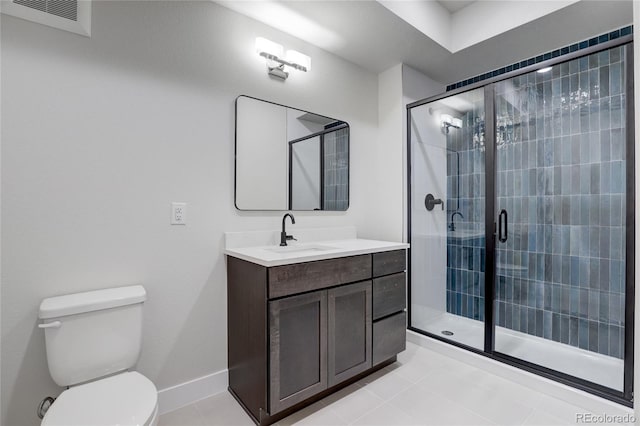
[[601, 369]]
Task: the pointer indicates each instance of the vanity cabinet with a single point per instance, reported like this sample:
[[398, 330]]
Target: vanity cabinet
[[301, 331]]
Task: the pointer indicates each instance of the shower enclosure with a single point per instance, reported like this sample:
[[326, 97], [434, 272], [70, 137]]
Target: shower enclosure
[[521, 223]]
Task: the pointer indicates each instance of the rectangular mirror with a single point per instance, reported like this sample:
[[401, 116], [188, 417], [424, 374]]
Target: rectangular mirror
[[289, 159]]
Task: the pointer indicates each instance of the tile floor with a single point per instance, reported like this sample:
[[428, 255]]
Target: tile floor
[[422, 388]]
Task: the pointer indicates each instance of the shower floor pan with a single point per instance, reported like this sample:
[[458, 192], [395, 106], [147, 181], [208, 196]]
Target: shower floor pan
[[604, 370]]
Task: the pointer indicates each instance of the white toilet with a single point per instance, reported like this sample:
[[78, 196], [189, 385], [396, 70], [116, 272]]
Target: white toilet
[[93, 339]]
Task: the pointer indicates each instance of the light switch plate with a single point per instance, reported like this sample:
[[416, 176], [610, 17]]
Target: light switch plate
[[178, 213]]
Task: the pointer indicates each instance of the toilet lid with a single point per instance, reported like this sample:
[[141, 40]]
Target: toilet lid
[[126, 399]]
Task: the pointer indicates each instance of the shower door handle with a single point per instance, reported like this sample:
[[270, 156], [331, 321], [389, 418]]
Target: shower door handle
[[502, 226]]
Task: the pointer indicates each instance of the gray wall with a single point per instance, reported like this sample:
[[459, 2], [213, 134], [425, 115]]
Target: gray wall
[[100, 134]]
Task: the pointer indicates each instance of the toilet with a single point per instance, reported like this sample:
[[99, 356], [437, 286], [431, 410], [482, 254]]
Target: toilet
[[93, 340]]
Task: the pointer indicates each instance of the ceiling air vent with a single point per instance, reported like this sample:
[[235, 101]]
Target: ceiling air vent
[[68, 15]]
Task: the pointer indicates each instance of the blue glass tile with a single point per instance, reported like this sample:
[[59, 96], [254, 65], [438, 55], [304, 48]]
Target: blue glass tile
[[539, 59], [593, 336], [604, 307], [604, 242], [546, 324], [593, 41], [603, 38], [583, 63], [594, 242], [594, 305], [564, 299], [575, 271], [615, 308], [516, 66], [555, 53], [625, 31], [574, 301], [617, 177], [583, 334], [603, 339], [555, 327], [546, 56], [614, 34], [531, 61], [615, 341], [583, 44], [574, 47]]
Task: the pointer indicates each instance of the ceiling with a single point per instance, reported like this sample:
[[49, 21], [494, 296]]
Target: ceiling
[[368, 34], [455, 5]]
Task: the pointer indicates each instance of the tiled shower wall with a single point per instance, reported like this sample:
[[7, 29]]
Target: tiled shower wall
[[466, 195], [561, 174], [336, 170]]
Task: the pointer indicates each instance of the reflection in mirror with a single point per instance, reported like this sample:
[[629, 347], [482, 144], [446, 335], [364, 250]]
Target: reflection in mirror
[[289, 159]]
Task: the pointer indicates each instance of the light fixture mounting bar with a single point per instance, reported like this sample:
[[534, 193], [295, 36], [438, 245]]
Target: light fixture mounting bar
[[283, 62]]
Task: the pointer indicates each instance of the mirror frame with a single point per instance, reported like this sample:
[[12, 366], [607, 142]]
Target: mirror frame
[[289, 165]]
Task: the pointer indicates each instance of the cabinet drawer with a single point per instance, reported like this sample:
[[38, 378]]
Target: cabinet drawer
[[389, 262], [389, 295], [286, 280], [389, 337]]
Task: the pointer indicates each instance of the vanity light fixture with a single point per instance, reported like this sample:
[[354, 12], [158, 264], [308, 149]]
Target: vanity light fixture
[[277, 60], [543, 70], [447, 121]]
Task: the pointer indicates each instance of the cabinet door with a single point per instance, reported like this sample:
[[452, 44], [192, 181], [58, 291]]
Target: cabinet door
[[298, 349], [349, 334]]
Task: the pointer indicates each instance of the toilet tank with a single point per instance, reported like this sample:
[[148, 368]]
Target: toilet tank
[[93, 334]]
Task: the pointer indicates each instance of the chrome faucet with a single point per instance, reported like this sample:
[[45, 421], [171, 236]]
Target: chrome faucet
[[283, 235], [452, 225]]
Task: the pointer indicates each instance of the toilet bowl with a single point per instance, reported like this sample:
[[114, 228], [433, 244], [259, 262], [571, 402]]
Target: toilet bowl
[[123, 399], [93, 340]]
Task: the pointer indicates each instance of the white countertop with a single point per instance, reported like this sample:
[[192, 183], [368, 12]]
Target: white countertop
[[307, 252]]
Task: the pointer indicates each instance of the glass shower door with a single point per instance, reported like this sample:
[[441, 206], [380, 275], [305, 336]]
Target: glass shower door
[[561, 216], [447, 225]]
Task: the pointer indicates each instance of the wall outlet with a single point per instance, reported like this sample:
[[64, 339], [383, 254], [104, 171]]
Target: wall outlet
[[178, 213]]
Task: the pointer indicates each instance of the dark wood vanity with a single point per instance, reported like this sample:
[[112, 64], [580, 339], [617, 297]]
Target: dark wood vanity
[[300, 331]]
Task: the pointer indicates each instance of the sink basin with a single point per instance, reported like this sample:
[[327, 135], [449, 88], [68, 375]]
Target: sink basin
[[299, 248]]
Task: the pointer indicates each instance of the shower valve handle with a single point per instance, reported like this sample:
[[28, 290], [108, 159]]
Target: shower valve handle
[[430, 202]]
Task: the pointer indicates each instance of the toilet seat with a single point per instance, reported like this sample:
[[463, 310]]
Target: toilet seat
[[126, 399]]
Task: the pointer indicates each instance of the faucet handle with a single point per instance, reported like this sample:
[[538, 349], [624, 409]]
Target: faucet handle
[[290, 237]]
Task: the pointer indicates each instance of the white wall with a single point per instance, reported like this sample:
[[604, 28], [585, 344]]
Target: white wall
[[428, 228], [100, 134], [387, 157], [305, 174], [397, 87]]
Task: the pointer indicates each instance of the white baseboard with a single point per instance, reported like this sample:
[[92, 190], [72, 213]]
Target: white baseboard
[[566, 393], [178, 396]]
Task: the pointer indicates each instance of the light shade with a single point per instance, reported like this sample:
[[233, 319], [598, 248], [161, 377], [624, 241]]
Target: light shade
[[457, 123], [268, 48], [298, 60]]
